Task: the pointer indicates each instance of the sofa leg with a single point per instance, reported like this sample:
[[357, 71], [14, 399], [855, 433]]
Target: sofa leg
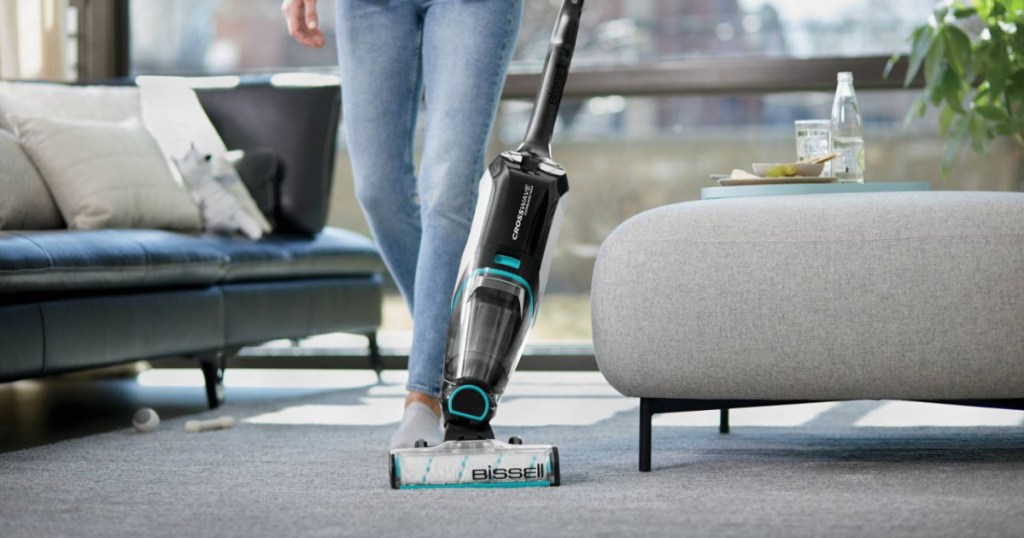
[[213, 365], [723, 420], [646, 412], [375, 360]]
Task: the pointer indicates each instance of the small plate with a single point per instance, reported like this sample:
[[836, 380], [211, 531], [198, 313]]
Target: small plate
[[802, 169], [729, 182]]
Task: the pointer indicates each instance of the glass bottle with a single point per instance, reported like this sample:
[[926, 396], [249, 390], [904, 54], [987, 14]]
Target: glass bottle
[[847, 132]]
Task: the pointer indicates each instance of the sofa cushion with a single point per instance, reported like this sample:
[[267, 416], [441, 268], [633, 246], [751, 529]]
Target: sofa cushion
[[820, 297], [119, 259], [105, 259], [260, 169], [25, 202], [106, 175], [333, 252], [64, 102], [301, 124]]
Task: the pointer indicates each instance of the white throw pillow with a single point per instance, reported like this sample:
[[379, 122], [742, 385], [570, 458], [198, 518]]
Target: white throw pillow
[[173, 114], [106, 175], [220, 209], [25, 202], [63, 102]]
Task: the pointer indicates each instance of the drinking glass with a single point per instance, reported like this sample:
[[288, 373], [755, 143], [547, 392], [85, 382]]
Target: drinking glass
[[814, 139]]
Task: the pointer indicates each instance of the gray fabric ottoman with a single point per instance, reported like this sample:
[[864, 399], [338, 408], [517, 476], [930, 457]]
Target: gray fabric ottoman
[[755, 301]]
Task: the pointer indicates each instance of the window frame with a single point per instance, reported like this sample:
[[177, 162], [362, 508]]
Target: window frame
[[716, 76]]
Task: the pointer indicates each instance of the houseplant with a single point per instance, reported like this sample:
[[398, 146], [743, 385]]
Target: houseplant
[[972, 56]]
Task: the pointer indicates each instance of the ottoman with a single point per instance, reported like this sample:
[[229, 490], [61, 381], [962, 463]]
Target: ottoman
[[744, 302]]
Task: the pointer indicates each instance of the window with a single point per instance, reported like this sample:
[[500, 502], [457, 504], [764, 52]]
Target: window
[[195, 37], [650, 31], [39, 40], [627, 151], [233, 36]]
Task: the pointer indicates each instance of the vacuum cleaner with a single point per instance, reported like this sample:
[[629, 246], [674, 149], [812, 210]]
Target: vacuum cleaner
[[502, 276]]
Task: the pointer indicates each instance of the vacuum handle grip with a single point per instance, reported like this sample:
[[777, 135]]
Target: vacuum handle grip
[[556, 72]]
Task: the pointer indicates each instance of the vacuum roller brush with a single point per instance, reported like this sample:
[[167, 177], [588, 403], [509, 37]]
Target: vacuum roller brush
[[483, 463]]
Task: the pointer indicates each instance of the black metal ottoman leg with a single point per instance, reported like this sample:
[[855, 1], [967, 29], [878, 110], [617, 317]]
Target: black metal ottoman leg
[[723, 420], [646, 412]]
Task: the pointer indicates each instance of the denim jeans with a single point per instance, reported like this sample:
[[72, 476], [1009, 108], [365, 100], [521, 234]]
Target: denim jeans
[[392, 53]]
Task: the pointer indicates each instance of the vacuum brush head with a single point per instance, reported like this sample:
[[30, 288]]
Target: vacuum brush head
[[478, 463]]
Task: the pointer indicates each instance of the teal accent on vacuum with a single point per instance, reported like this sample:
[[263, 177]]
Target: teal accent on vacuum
[[509, 261], [487, 403], [534, 484]]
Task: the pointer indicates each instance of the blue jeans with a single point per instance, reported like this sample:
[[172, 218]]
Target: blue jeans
[[390, 53]]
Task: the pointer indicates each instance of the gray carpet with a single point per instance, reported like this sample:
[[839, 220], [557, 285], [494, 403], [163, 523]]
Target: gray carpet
[[823, 479]]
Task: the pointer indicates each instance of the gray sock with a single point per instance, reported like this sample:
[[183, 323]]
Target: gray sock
[[419, 422]]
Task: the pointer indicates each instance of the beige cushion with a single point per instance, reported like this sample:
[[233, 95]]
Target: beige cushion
[[25, 202], [106, 175], [62, 102]]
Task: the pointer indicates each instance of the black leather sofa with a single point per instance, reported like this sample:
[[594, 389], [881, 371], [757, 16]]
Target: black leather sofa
[[72, 300]]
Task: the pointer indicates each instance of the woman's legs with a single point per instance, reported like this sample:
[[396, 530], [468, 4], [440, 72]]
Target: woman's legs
[[467, 45], [379, 60]]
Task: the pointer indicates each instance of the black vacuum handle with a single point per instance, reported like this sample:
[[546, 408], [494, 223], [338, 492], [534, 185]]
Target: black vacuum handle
[[556, 72]]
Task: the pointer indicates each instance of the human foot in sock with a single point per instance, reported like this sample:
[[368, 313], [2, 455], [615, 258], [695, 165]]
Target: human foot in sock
[[421, 421]]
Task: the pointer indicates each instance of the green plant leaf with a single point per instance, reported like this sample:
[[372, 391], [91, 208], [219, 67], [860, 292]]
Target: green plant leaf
[[1010, 6], [992, 112], [958, 48], [935, 58], [1017, 77], [982, 95], [946, 116], [921, 43], [977, 86], [1013, 100], [979, 132], [1005, 129], [992, 57], [952, 89], [917, 109], [893, 60], [1015, 42], [998, 73], [964, 12], [955, 143], [984, 8]]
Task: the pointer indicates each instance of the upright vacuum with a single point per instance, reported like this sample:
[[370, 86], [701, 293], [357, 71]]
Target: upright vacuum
[[501, 281]]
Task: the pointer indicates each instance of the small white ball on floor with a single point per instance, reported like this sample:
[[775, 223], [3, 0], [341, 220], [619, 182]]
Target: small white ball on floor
[[146, 420]]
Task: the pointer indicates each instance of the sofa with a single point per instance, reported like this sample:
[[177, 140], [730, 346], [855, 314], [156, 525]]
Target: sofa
[[77, 299], [744, 302]]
